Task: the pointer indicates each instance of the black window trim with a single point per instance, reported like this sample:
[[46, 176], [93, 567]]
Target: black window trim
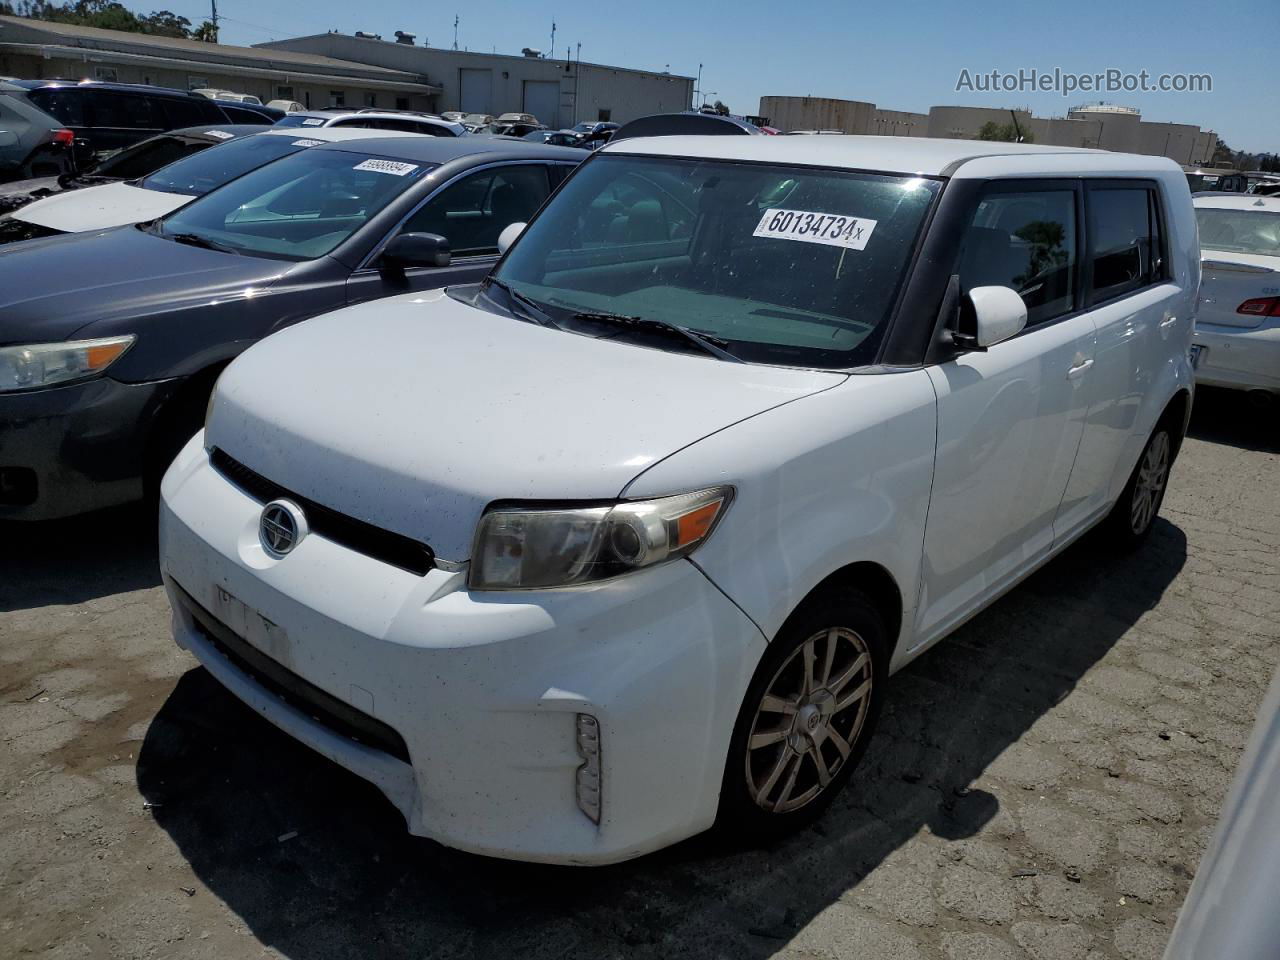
[[369, 264], [1154, 193]]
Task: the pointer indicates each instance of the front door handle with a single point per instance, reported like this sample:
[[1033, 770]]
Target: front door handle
[[1079, 369], [1168, 321]]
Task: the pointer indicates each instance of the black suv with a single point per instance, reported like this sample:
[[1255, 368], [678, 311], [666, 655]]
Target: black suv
[[102, 118]]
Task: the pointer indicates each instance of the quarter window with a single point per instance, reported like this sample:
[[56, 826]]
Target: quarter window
[[1124, 240], [472, 212], [1026, 241]]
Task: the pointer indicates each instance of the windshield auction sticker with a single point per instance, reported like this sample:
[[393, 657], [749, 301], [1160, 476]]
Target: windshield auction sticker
[[313, 122], [392, 167], [221, 134], [834, 230], [307, 143]]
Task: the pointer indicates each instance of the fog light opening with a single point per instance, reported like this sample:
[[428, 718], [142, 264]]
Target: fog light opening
[[588, 774]]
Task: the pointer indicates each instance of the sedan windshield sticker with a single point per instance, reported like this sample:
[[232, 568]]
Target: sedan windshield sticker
[[393, 167], [307, 143], [834, 230], [313, 122], [220, 134]]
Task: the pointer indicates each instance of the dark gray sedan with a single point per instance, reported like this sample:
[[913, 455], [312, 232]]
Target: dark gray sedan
[[110, 340]]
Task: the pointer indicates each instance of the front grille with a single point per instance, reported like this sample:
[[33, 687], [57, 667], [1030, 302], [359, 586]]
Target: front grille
[[376, 542], [342, 718]]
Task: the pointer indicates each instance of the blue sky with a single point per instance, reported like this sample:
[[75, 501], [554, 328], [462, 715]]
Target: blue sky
[[897, 55]]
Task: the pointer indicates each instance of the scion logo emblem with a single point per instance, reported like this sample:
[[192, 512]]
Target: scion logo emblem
[[281, 526]]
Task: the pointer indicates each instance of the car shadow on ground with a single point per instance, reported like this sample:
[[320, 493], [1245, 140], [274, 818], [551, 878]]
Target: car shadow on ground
[[319, 866], [78, 559], [1234, 418]]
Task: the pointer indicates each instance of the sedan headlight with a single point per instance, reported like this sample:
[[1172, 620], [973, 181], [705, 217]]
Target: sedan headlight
[[50, 364], [523, 548]]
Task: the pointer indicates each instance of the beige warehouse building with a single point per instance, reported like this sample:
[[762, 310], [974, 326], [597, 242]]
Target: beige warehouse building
[[1104, 126]]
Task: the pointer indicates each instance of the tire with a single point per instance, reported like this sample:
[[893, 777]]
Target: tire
[[1131, 519], [793, 732]]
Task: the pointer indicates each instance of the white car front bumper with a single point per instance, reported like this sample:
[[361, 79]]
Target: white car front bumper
[[484, 689]]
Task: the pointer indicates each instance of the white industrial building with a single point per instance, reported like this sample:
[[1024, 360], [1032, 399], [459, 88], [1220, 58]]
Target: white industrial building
[[559, 92]]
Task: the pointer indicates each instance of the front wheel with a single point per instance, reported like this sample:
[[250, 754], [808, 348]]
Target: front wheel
[[807, 716], [1135, 512]]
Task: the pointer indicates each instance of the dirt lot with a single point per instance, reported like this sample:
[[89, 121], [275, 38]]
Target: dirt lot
[[1043, 784]]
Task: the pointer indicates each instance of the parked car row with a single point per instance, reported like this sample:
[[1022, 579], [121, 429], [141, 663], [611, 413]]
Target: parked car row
[[52, 127], [595, 502]]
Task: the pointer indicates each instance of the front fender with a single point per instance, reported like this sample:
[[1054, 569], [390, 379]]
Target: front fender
[[834, 478]]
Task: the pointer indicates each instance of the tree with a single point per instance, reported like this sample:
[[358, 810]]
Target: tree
[[108, 15], [206, 32], [1004, 132]]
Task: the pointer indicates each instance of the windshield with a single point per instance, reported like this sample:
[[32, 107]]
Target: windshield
[[789, 265], [298, 208], [209, 169], [1240, 231], [299, 120], [141, 159]]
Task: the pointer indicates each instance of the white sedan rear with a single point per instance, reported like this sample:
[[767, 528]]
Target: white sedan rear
[[1237, 335]]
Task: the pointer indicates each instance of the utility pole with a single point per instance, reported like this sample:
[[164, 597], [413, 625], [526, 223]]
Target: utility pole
[[455, 31], [697, 88], [552, 54], [213, 18]]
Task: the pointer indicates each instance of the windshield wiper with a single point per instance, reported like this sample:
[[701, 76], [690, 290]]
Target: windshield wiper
[[196, 240], [708, 343], [529, 307]]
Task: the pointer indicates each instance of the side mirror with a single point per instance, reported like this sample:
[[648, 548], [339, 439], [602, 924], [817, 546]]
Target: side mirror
[[990, 315], [416, 250], [508, 235]]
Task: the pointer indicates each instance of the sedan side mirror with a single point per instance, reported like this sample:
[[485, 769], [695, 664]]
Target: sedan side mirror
[[508, 235], [416, 250], [990, 315]]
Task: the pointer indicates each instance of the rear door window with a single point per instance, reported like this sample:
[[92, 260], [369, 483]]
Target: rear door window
[[1125, 247], [183, 112], [127, 111]]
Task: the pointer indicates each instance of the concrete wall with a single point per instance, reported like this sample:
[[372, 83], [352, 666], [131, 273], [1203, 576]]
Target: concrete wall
[[585, 90], [313, 94]]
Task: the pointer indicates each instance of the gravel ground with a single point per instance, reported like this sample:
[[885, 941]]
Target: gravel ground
[[1042, 786]]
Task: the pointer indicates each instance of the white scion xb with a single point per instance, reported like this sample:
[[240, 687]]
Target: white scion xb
[[628, 538]]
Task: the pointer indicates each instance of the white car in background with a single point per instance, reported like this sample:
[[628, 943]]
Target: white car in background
[[174, 186], [626, 539], [1237, 337], [395, 121]]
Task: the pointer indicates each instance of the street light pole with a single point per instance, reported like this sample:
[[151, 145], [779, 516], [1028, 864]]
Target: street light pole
[[697, 88]]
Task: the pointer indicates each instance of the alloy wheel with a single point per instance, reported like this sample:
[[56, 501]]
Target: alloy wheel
[[809, 719], [1152, 474]]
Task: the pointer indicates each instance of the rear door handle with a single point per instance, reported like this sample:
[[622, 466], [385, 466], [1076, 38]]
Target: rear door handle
[[1079, 369], [1168, 321]]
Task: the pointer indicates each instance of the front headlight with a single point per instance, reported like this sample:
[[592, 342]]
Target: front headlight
[[50, 364], [523, 548]]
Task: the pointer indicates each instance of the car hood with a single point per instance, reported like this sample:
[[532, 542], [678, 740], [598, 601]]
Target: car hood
[[96, 208], [414, 413], [51, 288]]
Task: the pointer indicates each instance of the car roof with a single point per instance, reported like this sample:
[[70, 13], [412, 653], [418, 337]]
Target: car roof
[[426, 149], [1237, 201], [335, 134], [211, 130], [922, 156], [103, 85]]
